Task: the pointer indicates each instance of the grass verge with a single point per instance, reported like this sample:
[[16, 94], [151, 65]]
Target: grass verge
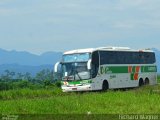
[[143, 100]]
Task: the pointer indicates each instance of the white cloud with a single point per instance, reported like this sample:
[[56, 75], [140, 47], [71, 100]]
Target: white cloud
[[6, 11], [136, 24], [124, 25], [4, 2], [129, 4]]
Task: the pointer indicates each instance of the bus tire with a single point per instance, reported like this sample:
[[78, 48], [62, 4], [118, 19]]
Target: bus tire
[[146, 82], [105, 85], [141, 83]]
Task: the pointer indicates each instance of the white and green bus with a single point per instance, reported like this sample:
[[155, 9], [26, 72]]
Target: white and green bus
[[107, 68]]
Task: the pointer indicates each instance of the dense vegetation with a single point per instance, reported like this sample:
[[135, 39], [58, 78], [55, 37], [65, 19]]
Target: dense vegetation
[[11, 80]]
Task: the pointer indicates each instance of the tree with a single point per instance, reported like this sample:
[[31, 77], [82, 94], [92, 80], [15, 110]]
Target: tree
[[45, 76], [41, 75], [20, 76], [6, 80], [8, 75], [27, 76]]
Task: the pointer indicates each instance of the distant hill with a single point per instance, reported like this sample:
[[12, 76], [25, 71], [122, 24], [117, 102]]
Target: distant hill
[[26, 58], [22, 61]]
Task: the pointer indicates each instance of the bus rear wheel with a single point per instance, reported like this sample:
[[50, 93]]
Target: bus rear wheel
[[105, 85], [146, 81], [141, 83]]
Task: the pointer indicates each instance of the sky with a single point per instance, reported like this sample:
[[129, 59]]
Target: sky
[[38, 26]]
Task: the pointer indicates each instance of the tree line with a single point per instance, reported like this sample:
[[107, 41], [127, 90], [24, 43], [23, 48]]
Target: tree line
[[45, 78]]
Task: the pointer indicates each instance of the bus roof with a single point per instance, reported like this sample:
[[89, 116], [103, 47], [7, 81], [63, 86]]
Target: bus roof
[[90, 50]]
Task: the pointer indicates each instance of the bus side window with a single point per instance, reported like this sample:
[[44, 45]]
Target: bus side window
[[142, 58], [95, 64], [150, 58]]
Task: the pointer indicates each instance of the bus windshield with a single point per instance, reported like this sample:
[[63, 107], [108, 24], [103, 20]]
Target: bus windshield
[[75, 71], [78, 57]]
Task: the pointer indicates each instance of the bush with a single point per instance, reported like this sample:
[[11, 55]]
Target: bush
[[47, 82], [58, 83], [5, 86], [23, 84]]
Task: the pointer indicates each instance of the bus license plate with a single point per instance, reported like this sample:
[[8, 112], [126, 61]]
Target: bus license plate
[[74, 88]]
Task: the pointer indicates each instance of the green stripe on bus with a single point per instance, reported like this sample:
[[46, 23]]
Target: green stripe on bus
[[133, 69], [114, 69], [132, 76], [125, 69], [148, 69]]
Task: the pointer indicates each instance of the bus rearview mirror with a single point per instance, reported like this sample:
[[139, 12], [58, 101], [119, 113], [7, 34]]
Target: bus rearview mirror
[[89, 64], [56, 67]]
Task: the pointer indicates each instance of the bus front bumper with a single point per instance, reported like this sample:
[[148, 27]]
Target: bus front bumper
[[76, 88]]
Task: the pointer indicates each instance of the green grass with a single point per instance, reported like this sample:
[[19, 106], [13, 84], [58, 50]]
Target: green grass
[[143, 100], [29, 93]]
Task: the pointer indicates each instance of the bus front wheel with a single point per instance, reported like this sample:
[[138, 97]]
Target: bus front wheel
[[105, 85]]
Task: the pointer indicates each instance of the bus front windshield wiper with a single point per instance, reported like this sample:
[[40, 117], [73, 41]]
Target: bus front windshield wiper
[[70, 73], [78, 74]]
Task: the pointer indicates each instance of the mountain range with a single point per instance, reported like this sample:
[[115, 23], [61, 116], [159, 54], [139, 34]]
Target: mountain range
[[26, 58], [22, 61]]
